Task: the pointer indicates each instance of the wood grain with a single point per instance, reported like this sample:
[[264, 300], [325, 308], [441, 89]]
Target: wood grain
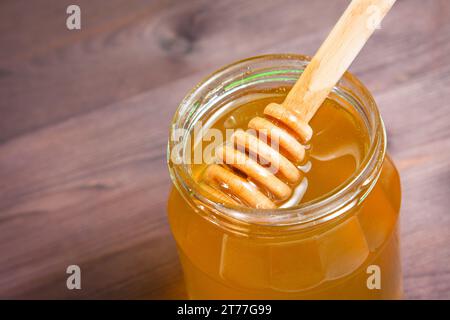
[[84, 117]]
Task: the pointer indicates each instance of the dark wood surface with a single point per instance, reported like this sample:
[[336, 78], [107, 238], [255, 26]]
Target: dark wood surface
[[84, 117]]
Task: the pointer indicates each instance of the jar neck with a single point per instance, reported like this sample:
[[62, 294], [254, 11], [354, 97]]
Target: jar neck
[[242, 77]]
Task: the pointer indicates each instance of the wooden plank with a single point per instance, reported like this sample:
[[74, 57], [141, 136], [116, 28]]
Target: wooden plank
[[84, 122], [75, 199], [122, 50]]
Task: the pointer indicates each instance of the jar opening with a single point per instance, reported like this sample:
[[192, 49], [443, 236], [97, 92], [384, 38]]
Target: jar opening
[[236, 80]]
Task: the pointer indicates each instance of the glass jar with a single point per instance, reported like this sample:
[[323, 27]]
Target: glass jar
[[342, 246]]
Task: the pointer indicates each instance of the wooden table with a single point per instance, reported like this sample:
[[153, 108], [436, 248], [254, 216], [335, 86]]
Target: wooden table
[[84, 117]]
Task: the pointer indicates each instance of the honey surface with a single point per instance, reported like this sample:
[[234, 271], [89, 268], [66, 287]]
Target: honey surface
[[339, 144]]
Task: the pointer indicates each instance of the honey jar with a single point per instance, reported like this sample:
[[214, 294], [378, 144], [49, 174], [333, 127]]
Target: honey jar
[[335, 237]]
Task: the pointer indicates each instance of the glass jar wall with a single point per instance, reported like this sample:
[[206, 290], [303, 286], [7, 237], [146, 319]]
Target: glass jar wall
[[343, 245]]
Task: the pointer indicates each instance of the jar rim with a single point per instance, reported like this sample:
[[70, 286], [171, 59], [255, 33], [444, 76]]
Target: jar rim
[[318, 210]]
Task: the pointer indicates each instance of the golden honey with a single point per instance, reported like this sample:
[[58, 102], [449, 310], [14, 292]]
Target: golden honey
[[336, 237], [336, 150]]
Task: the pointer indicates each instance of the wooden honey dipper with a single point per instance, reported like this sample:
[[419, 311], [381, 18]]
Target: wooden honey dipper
[[340, 48]]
